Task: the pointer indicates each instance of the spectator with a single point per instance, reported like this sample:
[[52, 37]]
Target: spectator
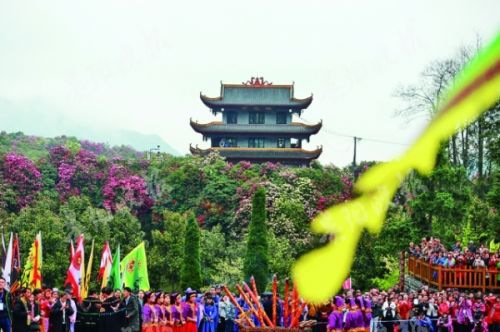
[[478, 262], [457, 246], [472, 247], [404, 308]]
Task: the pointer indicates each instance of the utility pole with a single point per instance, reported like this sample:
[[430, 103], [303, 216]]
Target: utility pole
[[356, 139], [154, 149]]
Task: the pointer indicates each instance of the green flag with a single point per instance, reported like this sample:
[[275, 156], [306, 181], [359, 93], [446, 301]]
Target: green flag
[[115, 278], [135, 269]]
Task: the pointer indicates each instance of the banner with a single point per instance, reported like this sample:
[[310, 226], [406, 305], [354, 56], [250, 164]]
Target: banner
[[74, 276], [32, 274], [115, 277], [105, 266], [135, 269]]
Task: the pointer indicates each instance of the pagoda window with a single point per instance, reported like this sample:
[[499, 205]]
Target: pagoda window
[[256, 142], [281, 117], [232, 117], [281, 142], [295, 143], [228, 142], [256, 117]]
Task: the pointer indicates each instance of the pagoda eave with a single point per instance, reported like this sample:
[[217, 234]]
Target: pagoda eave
[[218, 103], [219, 128]]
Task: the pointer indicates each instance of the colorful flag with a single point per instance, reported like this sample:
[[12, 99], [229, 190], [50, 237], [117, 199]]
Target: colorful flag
[[347, 284], [85, 288], [3, 252], [7, 267], [105, 267], [135, 269], [74, 276], [15, 270], [115, 277], [71, 250], [32, 274]]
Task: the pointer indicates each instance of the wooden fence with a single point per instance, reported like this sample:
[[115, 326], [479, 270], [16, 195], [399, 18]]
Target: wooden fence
[[465, 278]]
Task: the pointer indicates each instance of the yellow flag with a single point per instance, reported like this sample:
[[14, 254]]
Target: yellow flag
[[86, 280], [32, 274]]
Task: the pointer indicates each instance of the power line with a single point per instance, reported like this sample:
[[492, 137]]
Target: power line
[[336, 133]]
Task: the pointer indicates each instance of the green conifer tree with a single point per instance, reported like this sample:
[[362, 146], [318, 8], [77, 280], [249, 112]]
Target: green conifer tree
[[257, 257], [191, 268]]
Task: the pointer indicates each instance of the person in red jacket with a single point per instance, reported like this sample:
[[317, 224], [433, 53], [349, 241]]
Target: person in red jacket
[[493, 315], [404, 308], [443, 306]]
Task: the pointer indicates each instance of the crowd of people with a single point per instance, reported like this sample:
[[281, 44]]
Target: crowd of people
[[432, 250], [440, 311], [49, 310]]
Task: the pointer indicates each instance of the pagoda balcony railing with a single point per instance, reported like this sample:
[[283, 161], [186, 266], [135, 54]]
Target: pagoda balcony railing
[[454, 277], [260, 152]]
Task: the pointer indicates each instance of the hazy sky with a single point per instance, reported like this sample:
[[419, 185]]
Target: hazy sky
[[140, 65]]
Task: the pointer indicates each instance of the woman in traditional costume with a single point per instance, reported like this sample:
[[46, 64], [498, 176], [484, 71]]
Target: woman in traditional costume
[[165, 313], [150, 314], [167, 304], [162, 319], [354, 317], [177, 314], [367, 312], [336, 317], [190, 312]]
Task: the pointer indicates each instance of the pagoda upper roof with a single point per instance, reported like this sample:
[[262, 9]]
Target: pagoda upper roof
[[256, 92], [218, 127], [282, 154]]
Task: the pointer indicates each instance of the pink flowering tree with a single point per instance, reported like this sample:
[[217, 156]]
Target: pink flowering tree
[[123, 189], [79, 173], [21, 178]]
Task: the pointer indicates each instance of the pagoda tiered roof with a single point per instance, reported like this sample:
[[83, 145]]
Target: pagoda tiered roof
[[219, 128], [256, 92], [284, 155]]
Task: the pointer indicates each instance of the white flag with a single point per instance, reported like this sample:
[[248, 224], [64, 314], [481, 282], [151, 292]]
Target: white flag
[[7, 269]]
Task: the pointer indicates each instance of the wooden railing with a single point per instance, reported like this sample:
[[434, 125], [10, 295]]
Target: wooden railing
[[465, 278]]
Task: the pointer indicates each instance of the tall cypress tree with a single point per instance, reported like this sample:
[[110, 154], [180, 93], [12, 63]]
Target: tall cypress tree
[[257, 257], [191, 268]]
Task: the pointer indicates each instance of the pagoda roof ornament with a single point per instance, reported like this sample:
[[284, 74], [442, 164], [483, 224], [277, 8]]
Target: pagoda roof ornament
[[257, 81]]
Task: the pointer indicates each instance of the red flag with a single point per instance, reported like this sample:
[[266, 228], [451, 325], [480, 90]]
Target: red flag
[[71, 250], [37, 262], [105, 267], [16, 265], [347, 283], [74, 276]]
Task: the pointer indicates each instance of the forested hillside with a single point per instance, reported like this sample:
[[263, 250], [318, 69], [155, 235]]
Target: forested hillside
[[65, 187]]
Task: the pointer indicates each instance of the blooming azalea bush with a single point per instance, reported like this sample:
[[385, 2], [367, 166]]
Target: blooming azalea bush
[[125, 189], [22, 178]]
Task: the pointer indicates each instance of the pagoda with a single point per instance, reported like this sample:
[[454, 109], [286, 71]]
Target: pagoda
[[257, 124]]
